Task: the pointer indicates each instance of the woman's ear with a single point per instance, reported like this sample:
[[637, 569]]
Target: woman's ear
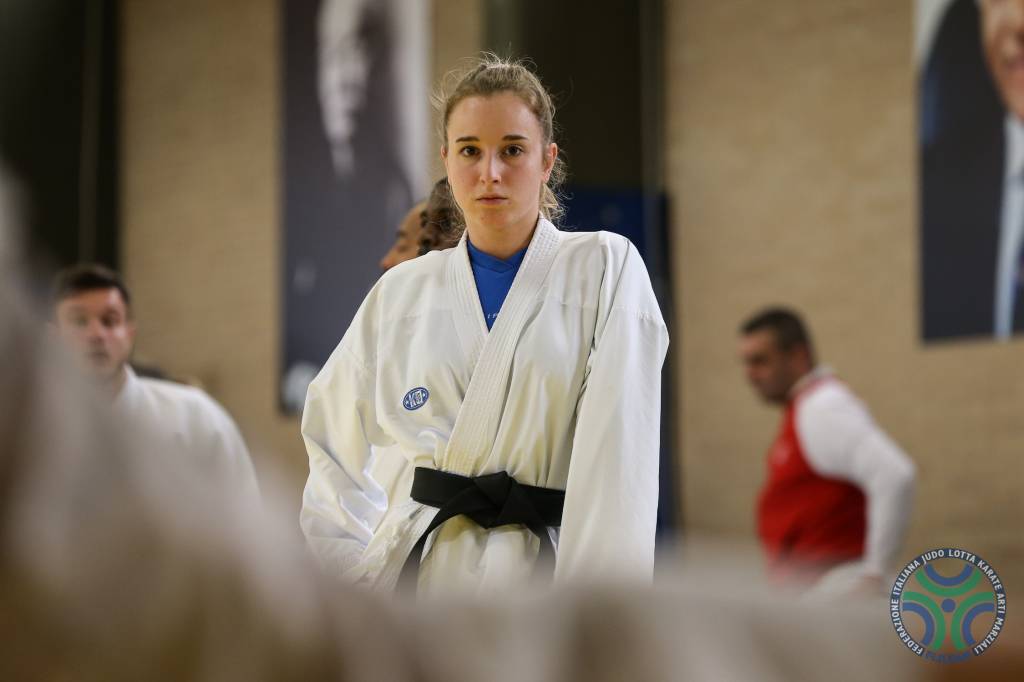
[[550, 154]]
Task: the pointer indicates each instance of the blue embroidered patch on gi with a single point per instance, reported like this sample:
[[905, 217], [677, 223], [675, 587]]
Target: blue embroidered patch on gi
[[416, 398]]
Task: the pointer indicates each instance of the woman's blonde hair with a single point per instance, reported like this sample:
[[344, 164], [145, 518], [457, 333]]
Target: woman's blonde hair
[[488, 75]]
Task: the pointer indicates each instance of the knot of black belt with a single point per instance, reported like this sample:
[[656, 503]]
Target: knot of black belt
[[491, 501]]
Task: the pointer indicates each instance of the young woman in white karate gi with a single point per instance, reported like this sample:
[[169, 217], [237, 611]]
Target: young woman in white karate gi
[[521, 363]]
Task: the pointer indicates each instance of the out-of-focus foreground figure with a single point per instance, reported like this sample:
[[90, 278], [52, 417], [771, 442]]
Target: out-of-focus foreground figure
[[120, 559]]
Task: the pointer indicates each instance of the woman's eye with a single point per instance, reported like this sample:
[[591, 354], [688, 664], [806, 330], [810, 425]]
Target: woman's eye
[[514, 150], [468, 151]]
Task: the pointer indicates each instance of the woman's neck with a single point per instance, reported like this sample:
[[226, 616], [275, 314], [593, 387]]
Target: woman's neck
[[500, 243]]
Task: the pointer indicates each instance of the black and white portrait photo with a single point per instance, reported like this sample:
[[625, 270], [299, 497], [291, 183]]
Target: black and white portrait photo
[[354, 139]]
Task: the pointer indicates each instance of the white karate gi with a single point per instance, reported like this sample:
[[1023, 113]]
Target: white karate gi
[[564, 392], [183, 419]]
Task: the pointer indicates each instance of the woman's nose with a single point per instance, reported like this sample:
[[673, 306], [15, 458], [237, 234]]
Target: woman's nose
[[492, 169]]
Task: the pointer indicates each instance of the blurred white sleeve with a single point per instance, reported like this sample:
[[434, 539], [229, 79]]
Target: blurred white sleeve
[[842, 441], [228, 448]]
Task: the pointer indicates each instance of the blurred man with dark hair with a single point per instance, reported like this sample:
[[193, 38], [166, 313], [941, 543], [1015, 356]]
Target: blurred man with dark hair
[[430, 225], [442, 219], [407, 240], [92, 315], [839, 491]]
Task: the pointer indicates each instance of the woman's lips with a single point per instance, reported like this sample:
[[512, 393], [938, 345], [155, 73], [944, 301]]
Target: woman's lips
[[491, 200]]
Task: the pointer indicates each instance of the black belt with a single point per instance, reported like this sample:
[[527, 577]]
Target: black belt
[[492, 500]]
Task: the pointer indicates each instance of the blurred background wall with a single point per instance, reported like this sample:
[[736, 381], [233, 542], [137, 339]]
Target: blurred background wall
[[784, 141], [200, 201]]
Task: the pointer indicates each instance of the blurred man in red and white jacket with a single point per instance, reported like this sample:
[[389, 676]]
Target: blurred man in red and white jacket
[[839, 492]]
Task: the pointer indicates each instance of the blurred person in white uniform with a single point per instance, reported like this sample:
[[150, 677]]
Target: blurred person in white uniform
[[92, 314]]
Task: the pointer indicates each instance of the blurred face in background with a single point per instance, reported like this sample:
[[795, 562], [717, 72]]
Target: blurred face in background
[[1002, 36], [95, 325], [407, 242], [771, 370]]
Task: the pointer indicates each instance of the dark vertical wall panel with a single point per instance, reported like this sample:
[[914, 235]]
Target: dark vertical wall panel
[[603, 62], [43, 68]]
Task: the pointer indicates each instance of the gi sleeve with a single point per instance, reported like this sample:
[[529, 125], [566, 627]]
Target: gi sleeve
[[611, 499], [841, 440], [342, 504]]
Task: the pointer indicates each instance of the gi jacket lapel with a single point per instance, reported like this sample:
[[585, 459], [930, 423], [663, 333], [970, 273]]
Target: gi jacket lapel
[[491, 352]]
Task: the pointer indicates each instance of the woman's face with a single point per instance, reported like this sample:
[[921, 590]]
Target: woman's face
[[497, 162]]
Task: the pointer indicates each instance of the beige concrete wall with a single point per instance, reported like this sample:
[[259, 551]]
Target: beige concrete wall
[[791, 167], [458, 35], [200, 201], [201, 196]]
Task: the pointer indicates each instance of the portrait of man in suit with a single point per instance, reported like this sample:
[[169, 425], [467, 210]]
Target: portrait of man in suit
[[972, 172]]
